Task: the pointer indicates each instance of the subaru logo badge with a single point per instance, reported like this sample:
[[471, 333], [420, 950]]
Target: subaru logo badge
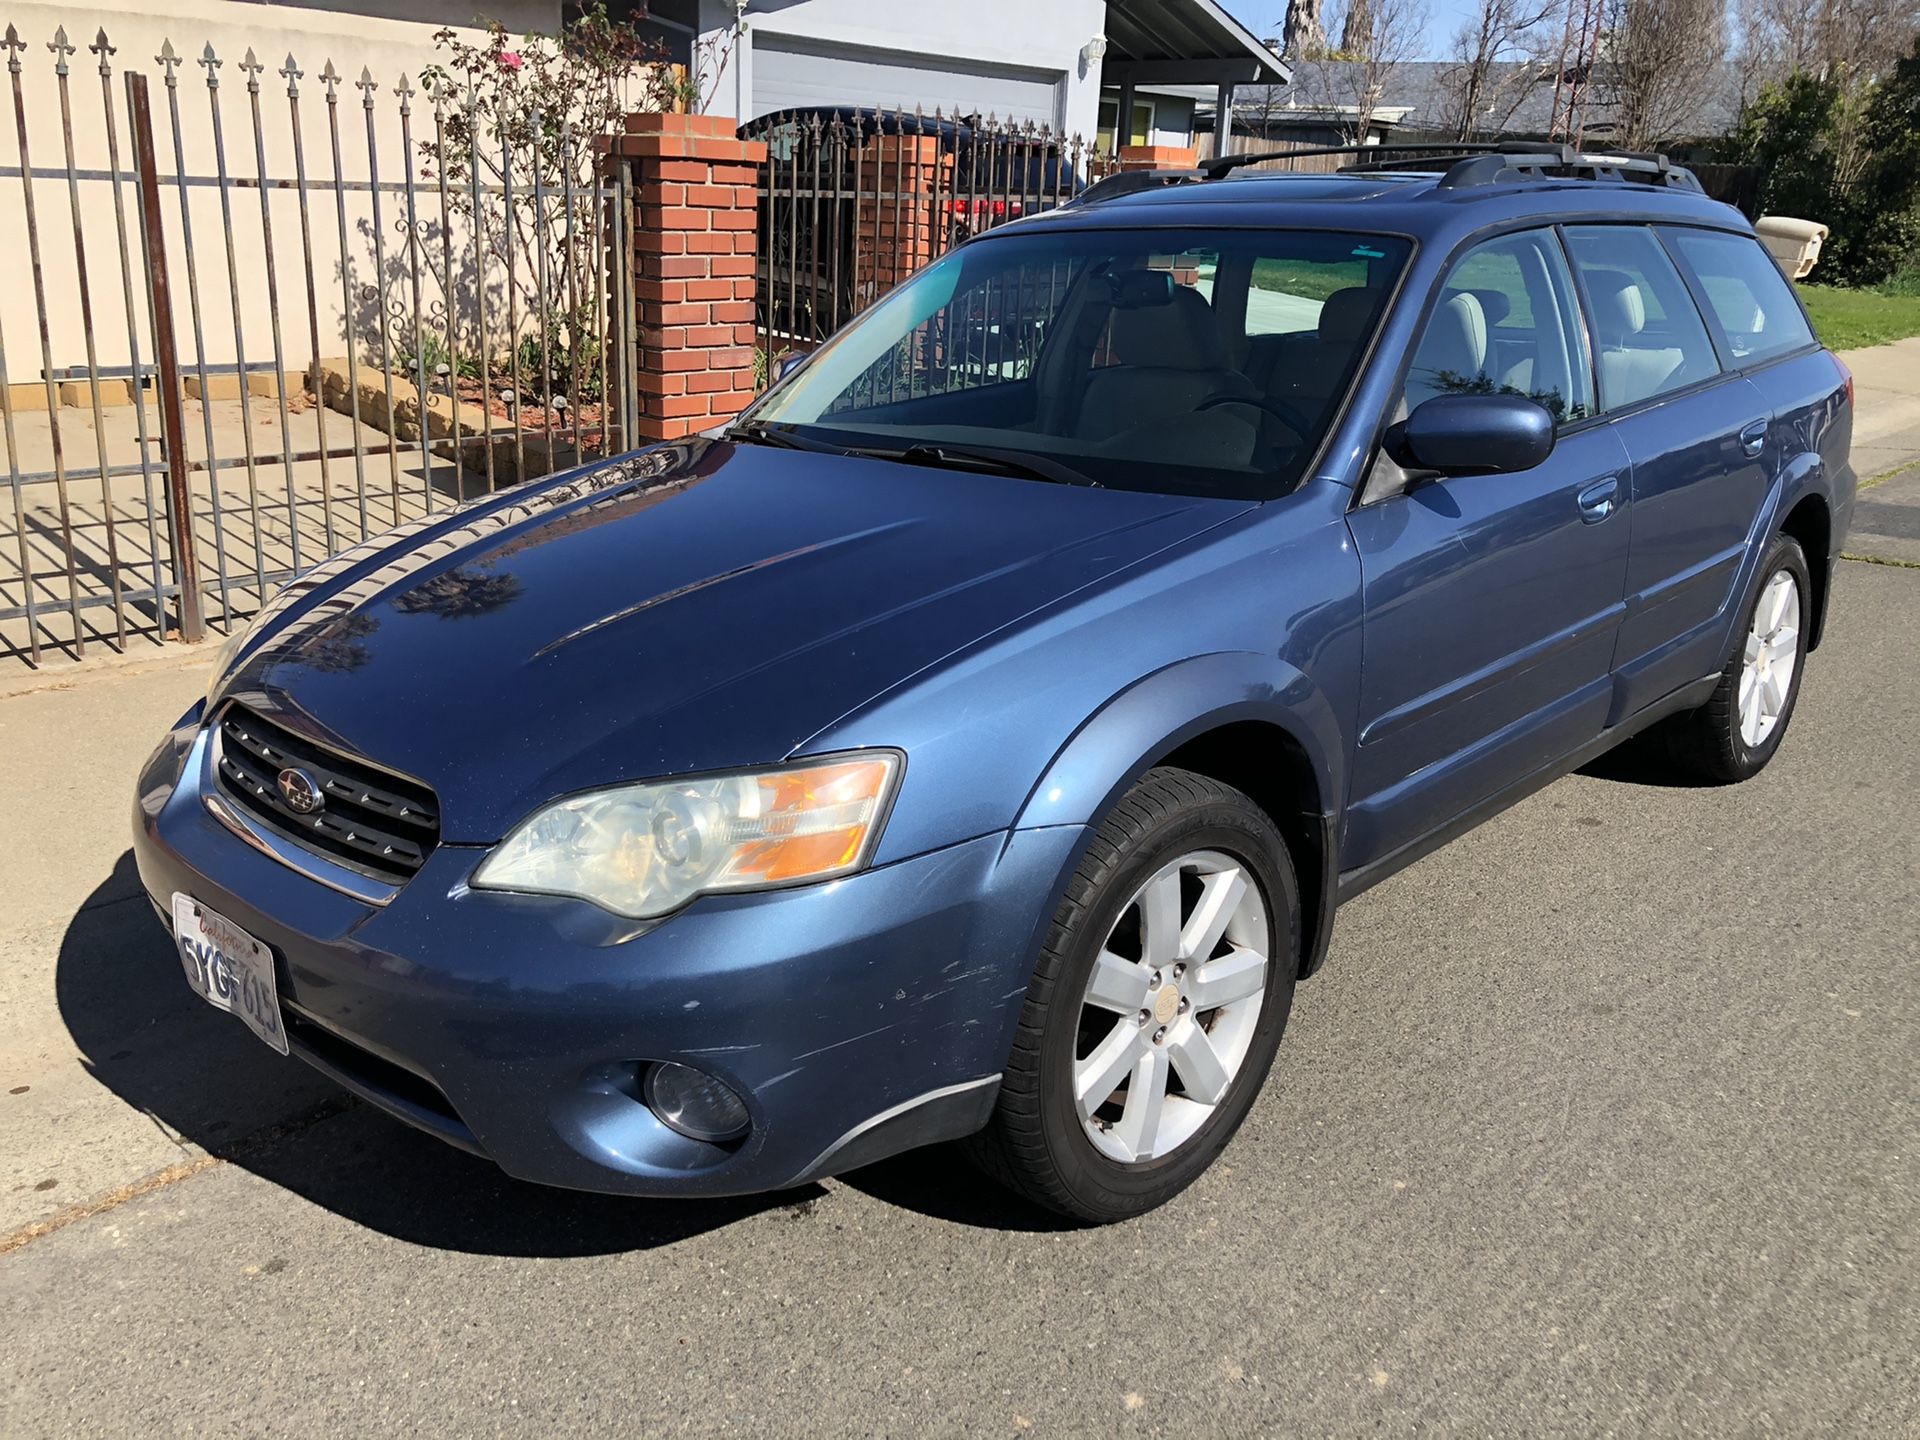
[[301, 791]]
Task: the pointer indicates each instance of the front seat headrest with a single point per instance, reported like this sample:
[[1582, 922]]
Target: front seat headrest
[[1619, 306], [1181, 335], [1346, 314]]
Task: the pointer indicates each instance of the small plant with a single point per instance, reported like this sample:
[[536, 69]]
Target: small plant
[[431, 356], [562, 347]]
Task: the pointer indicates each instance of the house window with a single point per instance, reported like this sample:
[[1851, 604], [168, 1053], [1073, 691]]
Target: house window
[[1142, 132]]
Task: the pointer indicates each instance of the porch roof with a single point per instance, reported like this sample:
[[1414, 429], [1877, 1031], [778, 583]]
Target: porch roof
[[1184, 42]]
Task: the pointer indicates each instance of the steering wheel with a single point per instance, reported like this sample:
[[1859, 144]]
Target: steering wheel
[[1279, 409]]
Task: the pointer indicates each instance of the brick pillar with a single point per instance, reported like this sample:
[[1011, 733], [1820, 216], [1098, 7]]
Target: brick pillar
[[898, 226], [695, 237], [1158, 157]]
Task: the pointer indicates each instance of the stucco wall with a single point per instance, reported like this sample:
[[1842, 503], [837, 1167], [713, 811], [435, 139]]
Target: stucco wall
[[351, 39]]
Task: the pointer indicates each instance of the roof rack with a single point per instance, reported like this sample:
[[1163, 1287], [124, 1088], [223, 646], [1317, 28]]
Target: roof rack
[[1222, 166], [1492, 163], [1131, 182]]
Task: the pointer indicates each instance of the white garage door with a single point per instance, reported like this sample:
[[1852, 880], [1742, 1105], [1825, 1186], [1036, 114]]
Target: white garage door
[[786, 76]]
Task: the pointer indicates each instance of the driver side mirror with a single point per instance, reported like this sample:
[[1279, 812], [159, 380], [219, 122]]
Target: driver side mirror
[[1473, 435]]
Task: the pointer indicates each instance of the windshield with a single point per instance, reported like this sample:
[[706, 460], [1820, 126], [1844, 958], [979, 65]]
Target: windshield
[[1195, 362]]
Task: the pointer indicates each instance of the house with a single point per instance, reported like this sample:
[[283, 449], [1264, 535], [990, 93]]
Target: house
[[1328, 103], [1073, 66]]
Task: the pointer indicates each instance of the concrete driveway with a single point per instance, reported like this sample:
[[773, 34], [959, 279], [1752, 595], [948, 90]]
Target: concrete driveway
[[1604, 1119]]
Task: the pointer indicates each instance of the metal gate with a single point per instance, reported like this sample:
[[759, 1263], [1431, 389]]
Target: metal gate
[[251, 330], [853, 200]]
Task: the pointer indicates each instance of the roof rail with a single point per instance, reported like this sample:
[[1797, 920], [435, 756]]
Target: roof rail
[[1516, 160], [1131, 182], [1490, 163], [1224, 165]]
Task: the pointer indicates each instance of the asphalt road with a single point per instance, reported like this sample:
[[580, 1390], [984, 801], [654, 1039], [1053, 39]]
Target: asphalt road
[[1603, 1119]]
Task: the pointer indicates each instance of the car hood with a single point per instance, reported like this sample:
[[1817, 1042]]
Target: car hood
[[697, 607]]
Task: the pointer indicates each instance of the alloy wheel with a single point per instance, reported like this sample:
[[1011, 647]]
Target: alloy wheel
[[1771, 656], [1171, 1007]]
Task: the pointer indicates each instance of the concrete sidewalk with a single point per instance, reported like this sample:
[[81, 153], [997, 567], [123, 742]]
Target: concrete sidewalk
[[1886, 452]]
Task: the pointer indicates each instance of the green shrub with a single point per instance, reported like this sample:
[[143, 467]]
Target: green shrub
[[1846, 153]]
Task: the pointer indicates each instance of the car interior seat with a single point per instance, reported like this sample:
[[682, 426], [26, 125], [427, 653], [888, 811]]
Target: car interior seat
[[1629, 369], [1171, 357], [1453, 352]]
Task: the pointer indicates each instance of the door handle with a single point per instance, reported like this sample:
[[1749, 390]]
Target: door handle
[[1597, 501], [1753, 439]]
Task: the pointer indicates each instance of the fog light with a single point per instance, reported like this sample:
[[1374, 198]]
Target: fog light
[[694, 1103]]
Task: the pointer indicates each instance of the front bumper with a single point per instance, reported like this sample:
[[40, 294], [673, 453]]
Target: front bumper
[[855, 1017]]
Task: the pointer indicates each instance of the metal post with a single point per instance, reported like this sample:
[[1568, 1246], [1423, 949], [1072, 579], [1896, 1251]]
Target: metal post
[[167, 380]]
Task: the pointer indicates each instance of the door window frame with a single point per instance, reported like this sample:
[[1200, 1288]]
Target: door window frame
[[1601, 410], [1366, 492]]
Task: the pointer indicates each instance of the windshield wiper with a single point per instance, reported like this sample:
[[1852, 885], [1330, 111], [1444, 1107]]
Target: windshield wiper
[[759, 432], [997, 462]]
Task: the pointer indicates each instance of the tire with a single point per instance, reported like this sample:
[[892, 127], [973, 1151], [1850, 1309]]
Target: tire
[[1719, 742], [1223, 852]]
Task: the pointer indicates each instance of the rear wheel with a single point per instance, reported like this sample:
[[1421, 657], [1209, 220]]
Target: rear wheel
[[1156, 1007], [1737, 731]]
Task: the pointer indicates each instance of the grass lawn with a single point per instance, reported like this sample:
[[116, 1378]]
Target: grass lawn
[[1849, 319]]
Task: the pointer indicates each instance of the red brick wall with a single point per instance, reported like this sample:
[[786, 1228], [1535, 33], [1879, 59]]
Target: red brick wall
[[694, 244], [898, 227]]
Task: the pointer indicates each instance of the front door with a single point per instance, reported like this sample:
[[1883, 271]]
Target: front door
[[1492, 602]]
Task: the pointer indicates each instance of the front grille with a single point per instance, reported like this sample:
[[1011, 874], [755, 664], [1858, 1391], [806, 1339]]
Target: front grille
[[371, 821]]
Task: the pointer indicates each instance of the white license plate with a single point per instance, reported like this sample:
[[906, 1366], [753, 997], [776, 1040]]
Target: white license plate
[[228, 968]]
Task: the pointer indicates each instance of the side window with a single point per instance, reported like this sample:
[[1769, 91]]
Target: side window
[[1285, 296], [1651, 337], [1746, 292], [1505, 323]]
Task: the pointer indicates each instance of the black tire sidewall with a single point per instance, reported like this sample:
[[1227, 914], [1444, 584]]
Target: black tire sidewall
[[1104, 1186]]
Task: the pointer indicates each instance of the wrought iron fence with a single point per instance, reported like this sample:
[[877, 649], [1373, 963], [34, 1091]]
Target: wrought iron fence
[[260, 353], [852, 201]]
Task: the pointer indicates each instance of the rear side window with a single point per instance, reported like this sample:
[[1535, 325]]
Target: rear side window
[[1651, 339], [1505, 323], [1745, 291]]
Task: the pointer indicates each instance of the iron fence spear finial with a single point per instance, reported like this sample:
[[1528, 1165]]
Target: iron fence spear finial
[[61, 48], [251, 64], [14, 45], [293, 72], [330, 78], [169, 59], [101, 48]]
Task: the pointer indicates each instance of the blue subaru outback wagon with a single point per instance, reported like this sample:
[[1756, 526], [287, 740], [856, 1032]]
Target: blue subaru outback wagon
[[976, 738]]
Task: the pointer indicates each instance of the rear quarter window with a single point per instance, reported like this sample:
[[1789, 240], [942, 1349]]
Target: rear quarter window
[[1747, 297]]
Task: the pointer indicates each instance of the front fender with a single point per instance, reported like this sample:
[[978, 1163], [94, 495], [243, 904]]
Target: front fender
[[1159, 713]]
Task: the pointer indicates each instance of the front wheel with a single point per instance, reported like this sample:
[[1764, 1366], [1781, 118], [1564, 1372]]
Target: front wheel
[[1734, 735], [1156, 1007]]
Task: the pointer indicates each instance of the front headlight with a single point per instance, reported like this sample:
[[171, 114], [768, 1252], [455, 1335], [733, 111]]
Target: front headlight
[[644, 850]]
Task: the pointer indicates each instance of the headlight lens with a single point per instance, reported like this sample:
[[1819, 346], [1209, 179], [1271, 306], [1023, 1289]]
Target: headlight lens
[[645, 850]]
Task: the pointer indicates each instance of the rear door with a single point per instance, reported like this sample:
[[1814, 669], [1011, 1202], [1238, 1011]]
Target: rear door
[[1492, 601], [1696, 436]]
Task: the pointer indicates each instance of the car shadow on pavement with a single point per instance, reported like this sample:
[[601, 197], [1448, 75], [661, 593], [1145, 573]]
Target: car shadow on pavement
[[1644, 760], [940, 1182], [145, 1036]]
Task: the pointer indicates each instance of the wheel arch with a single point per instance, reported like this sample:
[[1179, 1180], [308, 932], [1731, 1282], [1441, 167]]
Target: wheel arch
[[1249, 721], [1809, 522]]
